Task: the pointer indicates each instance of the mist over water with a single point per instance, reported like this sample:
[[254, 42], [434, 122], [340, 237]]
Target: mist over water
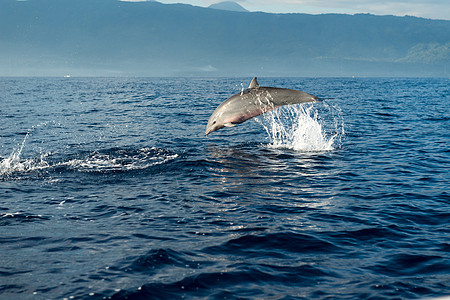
[[109, 189]]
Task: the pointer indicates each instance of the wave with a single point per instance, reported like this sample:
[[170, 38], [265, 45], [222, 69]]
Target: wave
[[114, 160], [98, 161], [18, 218]]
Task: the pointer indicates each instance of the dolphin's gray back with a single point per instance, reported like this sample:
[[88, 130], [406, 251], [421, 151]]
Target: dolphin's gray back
[[252, 102], [280, 97], [255, 101]]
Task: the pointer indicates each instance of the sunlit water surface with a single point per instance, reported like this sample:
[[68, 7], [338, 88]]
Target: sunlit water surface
[[109, 189]]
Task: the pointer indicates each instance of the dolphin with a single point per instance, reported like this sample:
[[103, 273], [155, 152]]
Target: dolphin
[[252, 102]]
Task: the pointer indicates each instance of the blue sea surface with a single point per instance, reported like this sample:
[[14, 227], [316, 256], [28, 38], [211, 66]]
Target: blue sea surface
[[109, 189]]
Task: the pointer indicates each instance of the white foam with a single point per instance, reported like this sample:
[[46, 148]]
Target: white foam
[[120, 160]]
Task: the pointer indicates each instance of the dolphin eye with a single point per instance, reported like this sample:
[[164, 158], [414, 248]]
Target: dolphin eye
[[214, 122]]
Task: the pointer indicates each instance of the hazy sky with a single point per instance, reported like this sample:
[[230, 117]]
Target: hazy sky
[[435, 9]]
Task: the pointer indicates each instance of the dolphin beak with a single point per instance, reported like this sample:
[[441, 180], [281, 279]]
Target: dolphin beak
[[210, 128]]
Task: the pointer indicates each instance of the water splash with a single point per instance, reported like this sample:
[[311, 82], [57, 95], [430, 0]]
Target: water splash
[[14, 163], [305, 127]]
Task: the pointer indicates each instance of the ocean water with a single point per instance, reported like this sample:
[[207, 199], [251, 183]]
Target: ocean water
[[109, 189]]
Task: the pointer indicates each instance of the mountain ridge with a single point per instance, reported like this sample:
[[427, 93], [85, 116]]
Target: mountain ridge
[[113, 38], [228, 5]]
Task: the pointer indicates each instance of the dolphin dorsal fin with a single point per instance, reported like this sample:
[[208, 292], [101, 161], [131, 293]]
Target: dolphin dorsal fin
[[253, 84]]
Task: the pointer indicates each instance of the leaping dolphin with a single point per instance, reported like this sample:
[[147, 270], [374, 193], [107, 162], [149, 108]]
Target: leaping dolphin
[[253, 102]]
